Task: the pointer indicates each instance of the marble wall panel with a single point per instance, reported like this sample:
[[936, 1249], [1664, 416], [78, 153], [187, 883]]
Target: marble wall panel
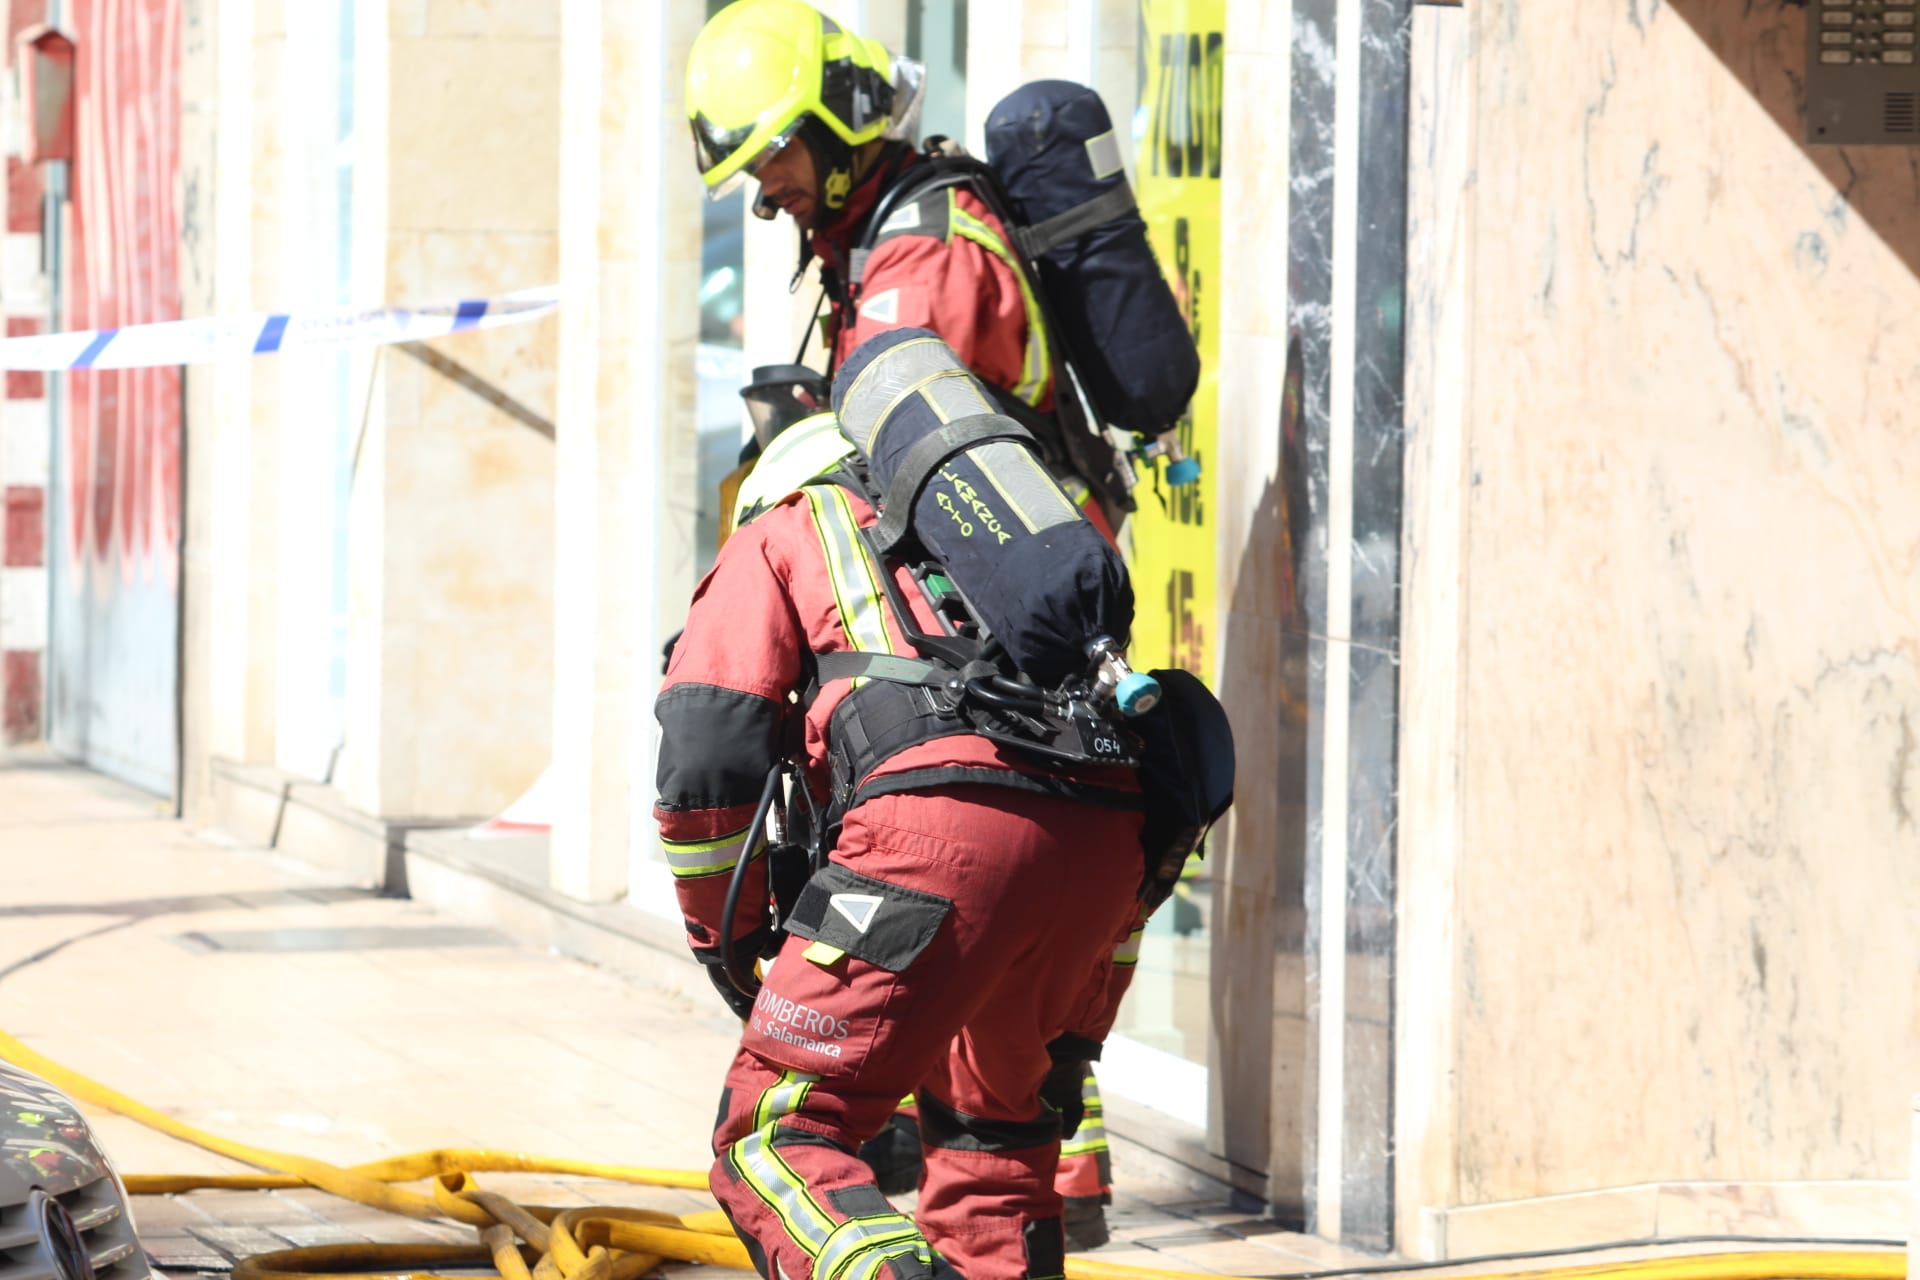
[[1690, 859], [1439, 204], [1255, 1067]]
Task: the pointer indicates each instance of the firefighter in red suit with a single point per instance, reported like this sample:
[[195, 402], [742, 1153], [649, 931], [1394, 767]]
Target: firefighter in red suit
[[819, 118], [977, 897], [780, 94]]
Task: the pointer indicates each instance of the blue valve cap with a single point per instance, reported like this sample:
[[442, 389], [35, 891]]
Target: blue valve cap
[[1138, 694], [1184, 472]]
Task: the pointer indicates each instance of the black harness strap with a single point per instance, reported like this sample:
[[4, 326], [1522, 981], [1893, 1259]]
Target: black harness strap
[[927, 455], [851, 665]]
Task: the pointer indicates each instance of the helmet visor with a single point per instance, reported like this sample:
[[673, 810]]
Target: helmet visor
[[716, 152]]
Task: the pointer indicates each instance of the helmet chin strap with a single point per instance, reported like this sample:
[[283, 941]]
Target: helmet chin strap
[[832, 158]]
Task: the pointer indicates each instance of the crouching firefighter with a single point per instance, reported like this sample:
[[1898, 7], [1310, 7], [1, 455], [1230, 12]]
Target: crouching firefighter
[[930, 640], [795, 443]]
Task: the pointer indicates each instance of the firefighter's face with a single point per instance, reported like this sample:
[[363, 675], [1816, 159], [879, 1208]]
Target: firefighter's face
[[789, 182]]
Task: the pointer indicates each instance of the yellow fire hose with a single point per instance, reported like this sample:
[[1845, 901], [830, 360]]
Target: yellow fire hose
[[523, 1242]]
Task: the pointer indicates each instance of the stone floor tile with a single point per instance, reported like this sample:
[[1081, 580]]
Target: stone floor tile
[[182, 1252], [236, 1243]]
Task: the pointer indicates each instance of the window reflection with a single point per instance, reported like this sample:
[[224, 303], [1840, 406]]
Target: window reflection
[[720, 365]]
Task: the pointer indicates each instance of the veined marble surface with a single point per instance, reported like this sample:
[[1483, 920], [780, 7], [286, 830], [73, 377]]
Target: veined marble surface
[[1688, 669]]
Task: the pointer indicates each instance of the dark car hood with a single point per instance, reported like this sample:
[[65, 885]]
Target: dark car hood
[[44, 1140]]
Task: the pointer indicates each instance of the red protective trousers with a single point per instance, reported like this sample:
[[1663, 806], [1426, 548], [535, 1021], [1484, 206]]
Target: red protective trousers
[[992, 915]]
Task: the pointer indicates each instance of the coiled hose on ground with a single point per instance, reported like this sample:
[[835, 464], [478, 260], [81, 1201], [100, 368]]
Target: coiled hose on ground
[[524, 1242]]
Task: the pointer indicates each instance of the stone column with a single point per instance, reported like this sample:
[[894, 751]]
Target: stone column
[[630, 262], [451, 523], [231, 53]]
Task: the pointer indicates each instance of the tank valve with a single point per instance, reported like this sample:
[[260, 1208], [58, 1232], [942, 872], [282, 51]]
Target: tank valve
[[1181, 470], [1134, 692]]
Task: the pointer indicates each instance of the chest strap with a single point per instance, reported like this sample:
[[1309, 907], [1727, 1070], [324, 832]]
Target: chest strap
[[852, 665]]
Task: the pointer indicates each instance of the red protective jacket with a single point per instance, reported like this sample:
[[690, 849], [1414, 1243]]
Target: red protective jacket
[[931, 268], [788, 585]]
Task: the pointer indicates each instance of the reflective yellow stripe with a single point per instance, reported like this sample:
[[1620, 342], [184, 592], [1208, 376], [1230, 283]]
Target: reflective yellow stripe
[[868, 1265], [1128, 952], [782, 1098], [780, 1189], [858, 1237], [851, 1250], [773, 1179], [855, 579], [691, 858], [1088, 1138], [1037, 365]]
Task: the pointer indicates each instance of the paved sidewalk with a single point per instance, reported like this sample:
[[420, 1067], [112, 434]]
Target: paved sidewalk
[[238, 991]]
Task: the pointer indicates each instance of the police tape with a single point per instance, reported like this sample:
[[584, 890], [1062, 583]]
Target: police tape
[[204, 340]]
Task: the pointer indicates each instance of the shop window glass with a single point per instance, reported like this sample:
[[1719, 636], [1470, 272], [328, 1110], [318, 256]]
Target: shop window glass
[[720, 362], [937, 36]]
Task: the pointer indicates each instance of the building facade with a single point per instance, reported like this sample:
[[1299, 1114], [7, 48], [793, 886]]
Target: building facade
[[1552, 558]]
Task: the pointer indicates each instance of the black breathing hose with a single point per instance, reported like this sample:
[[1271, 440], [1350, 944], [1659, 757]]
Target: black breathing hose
[[743, 981]]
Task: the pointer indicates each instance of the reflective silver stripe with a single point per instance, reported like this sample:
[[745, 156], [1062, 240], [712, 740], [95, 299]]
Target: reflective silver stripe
[[1103, 153], [1024, 485], [775, 1182], [857, 1236], [703, 857], [771, 1178], [951, 396], [1090, 1136], [856, 588], [884, 381], [783, 1098], [1128, 952]]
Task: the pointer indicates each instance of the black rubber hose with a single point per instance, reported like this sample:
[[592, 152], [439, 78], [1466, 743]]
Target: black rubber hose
[[1003, 695], [743, 981]]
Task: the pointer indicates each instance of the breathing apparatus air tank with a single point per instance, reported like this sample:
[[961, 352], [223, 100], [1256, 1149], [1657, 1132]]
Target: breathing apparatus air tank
[[967, 483]]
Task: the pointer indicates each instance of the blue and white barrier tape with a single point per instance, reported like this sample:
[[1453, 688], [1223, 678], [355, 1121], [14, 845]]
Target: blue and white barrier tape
[[200, 341]]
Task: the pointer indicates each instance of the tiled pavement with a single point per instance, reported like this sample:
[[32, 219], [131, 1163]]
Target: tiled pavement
[[235, 990]]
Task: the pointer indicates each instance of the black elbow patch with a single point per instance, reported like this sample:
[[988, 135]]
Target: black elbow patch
[[716, 746]]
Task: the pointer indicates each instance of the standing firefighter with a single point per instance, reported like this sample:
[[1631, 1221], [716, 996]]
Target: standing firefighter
[[823, 120]]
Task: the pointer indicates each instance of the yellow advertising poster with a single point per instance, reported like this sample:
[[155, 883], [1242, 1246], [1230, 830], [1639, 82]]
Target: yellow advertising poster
[[1177, 181]]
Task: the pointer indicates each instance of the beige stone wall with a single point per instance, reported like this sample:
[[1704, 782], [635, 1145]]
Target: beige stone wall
[[1674, 637], [1091, 41], [450, 670]]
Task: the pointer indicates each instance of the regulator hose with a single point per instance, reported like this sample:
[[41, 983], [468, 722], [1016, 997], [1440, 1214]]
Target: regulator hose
[[739, 974], [524, 1242]]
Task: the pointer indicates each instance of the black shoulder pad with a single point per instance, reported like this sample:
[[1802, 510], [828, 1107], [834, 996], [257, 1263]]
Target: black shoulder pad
[[716, 746], [930, 214]]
